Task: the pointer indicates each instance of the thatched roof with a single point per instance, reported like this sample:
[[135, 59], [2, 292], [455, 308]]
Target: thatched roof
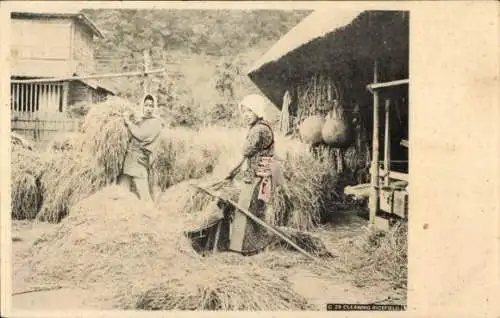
[[326, 40]]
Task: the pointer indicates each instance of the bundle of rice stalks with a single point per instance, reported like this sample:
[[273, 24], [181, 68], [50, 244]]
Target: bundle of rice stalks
[[211, 285], [27, 168], [307, 241], [20, 141], [303, 199], [106, 136], [69, 177], [114, 239], [65, 142], [378, 255], [183, 154]]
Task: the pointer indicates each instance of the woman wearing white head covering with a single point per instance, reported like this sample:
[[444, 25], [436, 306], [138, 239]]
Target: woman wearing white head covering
[[248, 237], [143, 137]]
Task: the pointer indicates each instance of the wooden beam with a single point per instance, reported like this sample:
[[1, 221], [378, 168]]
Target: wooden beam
[[395, 175], [74, 78], [375, 85]]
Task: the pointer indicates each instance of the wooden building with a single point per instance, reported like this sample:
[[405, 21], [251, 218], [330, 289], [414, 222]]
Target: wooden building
[[50, 46], [356, 61]]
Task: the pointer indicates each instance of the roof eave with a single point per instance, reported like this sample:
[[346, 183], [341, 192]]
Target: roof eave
[[79, 16]]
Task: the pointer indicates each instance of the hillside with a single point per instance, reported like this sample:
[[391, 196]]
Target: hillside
[[205, 53]]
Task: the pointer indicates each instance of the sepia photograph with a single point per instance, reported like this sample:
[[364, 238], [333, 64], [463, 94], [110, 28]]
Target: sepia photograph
[[209, 160]]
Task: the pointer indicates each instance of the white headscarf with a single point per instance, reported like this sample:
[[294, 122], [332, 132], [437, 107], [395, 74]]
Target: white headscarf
[[152, 96], [256, 103]]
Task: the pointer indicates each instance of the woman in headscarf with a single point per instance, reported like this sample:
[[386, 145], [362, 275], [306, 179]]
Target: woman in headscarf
[[260, 176], [143, 136]]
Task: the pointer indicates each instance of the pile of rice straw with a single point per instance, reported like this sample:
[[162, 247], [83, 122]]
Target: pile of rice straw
[[377, 255], [213, 285], [27, 168], [113, 243], [110, 238]]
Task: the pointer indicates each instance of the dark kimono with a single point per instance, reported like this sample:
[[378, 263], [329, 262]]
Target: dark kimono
[[259, 146]]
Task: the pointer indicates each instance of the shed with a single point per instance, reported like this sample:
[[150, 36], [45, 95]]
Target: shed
[[46, 46], [336, 55]]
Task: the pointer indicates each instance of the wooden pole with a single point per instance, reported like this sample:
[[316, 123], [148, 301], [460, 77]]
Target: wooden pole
[[146, 83], [72, 78], [387, 144], [375, 153]]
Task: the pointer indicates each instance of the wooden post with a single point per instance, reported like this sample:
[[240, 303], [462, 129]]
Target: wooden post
[[387, 143], [374, 199], [146, 84]]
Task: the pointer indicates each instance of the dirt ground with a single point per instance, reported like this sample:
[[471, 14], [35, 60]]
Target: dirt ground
[[318, 290]]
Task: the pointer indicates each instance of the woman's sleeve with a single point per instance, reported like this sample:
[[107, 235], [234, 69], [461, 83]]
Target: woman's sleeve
[[146, 133], [258, 139]]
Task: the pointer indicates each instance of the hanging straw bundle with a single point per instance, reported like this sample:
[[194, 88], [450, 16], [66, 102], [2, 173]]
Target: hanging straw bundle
[[336, 131], [310, 130]]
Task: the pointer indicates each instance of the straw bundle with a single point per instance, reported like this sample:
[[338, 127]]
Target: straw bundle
[[27, 168], [20, 141], [307, 241], [183, 154], [310, 130], [69, 177], [106, 136], [305, 197], [65, 142], [377, 255], [316, 95], [111, 238], [335, 131], [212, 285]]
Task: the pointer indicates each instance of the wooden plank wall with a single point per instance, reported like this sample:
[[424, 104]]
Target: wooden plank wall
[[37, 110]]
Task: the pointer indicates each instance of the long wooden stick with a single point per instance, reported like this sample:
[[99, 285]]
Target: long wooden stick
[[71, 78], [258, 221], [376, 85]]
